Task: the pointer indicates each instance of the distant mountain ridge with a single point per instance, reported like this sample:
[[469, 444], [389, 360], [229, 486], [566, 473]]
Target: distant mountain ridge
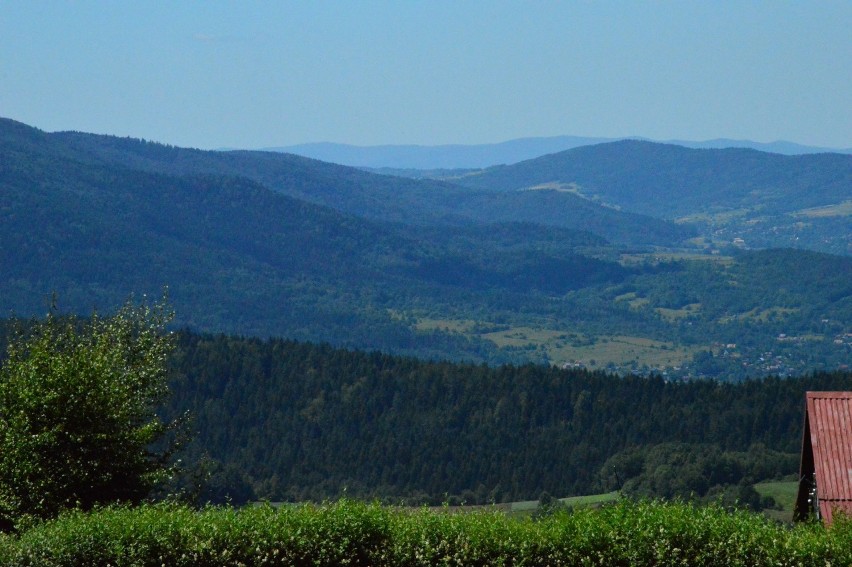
[[376, 197], [741, 195], [475, 156], [667, 180]]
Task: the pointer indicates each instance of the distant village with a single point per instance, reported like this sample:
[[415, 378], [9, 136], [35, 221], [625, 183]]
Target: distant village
[[788, 359]]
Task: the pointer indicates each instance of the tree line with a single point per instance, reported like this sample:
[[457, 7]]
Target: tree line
[[284, 420]]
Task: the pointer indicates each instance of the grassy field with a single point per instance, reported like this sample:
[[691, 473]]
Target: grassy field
[[525, 508], [566, 347], [718, 218], [464, 326], [784, 493], [573, 501], [677, 314], [634, 301], [843, 209], [761, 315], [658, 257], [620, 350], [561, 187]]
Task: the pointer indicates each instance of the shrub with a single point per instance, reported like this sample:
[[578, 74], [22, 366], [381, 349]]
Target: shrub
[[77, 413], [352, 533]]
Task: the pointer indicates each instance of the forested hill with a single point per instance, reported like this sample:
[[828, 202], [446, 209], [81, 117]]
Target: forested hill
[[96, 219], [292, 421], [728, 196], [77, 225], [240, 257], [377, 197], [671, 181]]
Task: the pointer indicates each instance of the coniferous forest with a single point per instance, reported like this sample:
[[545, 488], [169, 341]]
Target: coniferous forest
[[515, 331], [283, 420]]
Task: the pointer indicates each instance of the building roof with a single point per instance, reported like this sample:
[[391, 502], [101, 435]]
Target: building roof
[[827, 452]]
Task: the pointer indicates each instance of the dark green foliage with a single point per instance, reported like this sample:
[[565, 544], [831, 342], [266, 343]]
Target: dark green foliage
[[668, 181], [242, 240], [728, 193], [563, 209], [520, 273], [308, 422], [378, 197], [698, 471], [350, 533], [548, 506], [740, 495], [243, 257], [78, 422]]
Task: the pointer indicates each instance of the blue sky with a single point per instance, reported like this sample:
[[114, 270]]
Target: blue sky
[[258, 74]]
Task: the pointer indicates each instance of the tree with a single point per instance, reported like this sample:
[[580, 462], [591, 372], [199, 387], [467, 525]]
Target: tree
[[78, 421]]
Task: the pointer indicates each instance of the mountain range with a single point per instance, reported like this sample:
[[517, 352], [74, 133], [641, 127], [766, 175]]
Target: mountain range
[[477, 156], [557, 259], [761, 199], [371, 196]]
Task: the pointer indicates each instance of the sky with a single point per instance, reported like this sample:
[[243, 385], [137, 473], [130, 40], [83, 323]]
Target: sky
[[245, 74]]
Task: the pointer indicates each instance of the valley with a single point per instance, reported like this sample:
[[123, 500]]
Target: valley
[[425, 342], [412, 284], [578, 272]]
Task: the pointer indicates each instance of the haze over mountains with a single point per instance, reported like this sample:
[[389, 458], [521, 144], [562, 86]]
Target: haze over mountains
[[476, 156], [378, 197], [571, 258]]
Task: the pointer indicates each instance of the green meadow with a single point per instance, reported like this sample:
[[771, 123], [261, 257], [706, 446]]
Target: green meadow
[[561, 346]]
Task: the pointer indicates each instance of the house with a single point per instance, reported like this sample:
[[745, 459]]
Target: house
[[825, 472]]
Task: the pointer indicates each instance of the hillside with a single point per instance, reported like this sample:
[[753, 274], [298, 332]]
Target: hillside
[[227, 246], [766, 199], [95, 219], [244, 258], [297, 421], [672, 181], [241, 258], [376, 197]]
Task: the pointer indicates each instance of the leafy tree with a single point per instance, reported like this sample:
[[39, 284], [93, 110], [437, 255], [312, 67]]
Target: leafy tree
[[548, 506], [78, 425]]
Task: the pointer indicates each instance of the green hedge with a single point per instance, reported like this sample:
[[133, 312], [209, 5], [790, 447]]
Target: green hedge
[[352, 533]]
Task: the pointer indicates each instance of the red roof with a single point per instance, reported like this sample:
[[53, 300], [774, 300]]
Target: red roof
[[830, 423]]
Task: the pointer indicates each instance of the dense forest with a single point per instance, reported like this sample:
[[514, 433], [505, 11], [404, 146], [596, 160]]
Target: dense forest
[[684, 180], [283, 420], [734, 194], [375, 197]]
